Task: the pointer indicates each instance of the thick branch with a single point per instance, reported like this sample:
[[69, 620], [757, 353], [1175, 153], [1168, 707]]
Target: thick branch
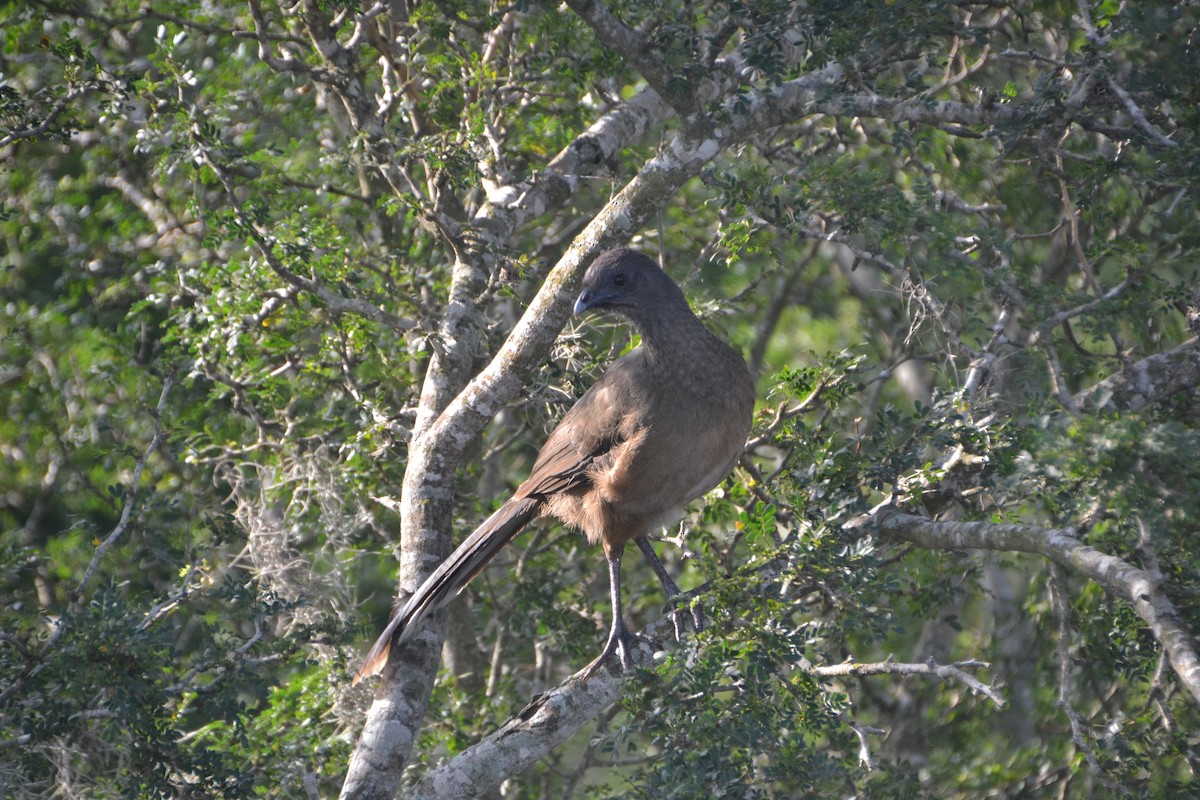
[[548, 721], [400, 702], [658, 180], [1150, 380], [510, 207], [553, 717], [441, 434]]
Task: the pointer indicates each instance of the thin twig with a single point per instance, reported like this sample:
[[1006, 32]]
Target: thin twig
[[74, 93], [955, 672], [113, 537], [1138, 116], [1058, 595], [130, 499]]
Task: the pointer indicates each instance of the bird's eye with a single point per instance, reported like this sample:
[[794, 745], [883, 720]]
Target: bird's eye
[[619, 279]]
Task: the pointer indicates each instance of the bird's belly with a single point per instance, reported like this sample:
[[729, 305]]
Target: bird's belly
[[652, 491]]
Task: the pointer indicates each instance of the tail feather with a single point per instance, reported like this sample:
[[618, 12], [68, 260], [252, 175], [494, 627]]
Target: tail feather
[[451, 578]]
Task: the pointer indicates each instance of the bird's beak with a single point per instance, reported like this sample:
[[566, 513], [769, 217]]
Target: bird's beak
[[583, 302], [588, 299]]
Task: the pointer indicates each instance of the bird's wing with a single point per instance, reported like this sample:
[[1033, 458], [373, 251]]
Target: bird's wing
[[598, 422], [582, 441]]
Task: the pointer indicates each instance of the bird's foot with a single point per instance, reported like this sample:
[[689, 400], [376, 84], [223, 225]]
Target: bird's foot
[[621, 642], [677, 606]]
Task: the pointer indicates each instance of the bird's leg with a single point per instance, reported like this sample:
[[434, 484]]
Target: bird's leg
[[669, 585], [674, 595], [620, 641]]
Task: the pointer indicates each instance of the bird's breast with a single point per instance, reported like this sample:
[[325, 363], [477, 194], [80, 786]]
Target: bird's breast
[[680, 452]]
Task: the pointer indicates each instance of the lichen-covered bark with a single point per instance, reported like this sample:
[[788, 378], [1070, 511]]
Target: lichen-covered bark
[[1118, 577], [1152, 379]]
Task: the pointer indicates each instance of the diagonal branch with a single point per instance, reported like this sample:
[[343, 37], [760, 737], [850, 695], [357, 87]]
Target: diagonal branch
[[549, 720], [682, 159], [1117, 576], [946, 672], [47, 122], [554, 716], [513, 205], [265, 241], [1140, 118], [434, 454], [1152, 379], [618, 36], [132, 496]]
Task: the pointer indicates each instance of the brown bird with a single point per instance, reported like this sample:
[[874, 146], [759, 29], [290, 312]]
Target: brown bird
[[664, 424]]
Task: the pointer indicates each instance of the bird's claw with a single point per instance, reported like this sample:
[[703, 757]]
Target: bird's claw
[[621, 643], [676, 607]]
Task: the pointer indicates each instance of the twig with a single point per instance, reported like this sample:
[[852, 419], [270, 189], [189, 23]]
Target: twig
[[1085, 17], [953, 672], [616, 35], [864, 749], [1138, 116], [130, 498], [117, 532], [47, 122], [982, 365], [1058, 595], [1058, 383], [265, 241], [785, 412], [1061, 546]]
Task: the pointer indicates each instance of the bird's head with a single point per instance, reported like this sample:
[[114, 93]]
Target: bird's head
[[628, 283]]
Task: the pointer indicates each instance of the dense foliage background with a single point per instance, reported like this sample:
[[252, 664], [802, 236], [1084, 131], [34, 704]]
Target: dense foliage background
[[283, 288]]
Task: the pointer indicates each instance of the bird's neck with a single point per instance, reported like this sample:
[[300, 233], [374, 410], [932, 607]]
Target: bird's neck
[[666, 336]]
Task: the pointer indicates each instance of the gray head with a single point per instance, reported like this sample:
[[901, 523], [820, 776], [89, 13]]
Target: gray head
[[629, 284]]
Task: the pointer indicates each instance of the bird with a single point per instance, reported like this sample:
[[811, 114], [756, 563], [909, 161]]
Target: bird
[[663, 425]]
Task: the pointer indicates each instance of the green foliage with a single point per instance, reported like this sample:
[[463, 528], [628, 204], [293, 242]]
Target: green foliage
[[279, 753], [114, 688], [227, 256]]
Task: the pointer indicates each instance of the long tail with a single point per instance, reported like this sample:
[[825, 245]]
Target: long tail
[[451, 578]]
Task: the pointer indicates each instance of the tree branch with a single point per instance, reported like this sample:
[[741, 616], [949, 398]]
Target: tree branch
[[554, 716], [61, 105], [118, 531], [400, 700], [616, 35], [1118, 577], [947, 672], [1150, 380], [548, 721]]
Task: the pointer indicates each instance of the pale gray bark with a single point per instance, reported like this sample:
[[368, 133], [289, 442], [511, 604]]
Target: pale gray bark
[[441, 438], [1149, 380], [1062, 546]]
